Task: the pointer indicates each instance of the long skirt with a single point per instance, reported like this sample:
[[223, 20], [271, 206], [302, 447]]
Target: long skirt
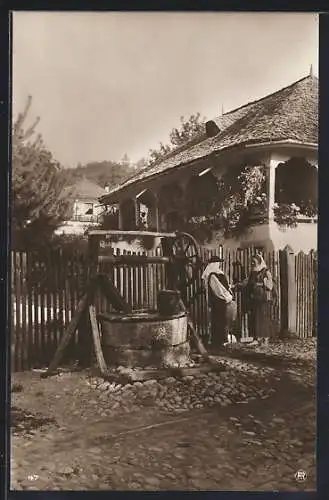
[[222, 318], [260, 320]]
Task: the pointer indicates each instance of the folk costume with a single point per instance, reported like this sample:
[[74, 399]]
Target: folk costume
[[221, 305], [258, 288]]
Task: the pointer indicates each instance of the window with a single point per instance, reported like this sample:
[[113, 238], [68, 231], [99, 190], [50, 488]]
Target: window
[[89, 209], [296, 182]]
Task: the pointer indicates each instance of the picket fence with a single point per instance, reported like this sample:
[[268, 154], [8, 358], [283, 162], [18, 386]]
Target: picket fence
[[46, 289]]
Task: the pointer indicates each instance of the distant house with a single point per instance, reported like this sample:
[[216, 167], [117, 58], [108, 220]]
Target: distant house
[[86, 209], [278, 132]]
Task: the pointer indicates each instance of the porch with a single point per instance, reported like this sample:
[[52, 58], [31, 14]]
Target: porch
[[165, 201]]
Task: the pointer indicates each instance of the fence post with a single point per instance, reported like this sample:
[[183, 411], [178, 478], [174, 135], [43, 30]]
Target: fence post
[[86, 269], [315, 293], [288, 291]]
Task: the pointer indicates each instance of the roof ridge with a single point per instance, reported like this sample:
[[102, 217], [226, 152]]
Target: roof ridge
[[202, 137], [250, 103], [198, 139], [178, 149]]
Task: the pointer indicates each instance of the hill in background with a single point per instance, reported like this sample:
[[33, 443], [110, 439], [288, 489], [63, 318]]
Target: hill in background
[[102, 173]]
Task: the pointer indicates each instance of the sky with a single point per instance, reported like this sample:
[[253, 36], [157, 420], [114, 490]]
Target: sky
[[105, 84]]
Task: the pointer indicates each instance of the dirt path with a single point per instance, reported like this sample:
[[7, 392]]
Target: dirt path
[[218, 449], [255, 445]]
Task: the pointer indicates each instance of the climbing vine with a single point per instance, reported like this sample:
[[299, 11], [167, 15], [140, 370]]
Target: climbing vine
[[230, 205], [240, 195], [239, 201]]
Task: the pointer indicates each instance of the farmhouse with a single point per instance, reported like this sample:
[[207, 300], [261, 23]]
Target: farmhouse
[[277, 134], [86, 209]]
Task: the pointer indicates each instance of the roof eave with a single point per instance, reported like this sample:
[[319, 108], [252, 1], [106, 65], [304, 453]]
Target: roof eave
[[284, 142], [112, 196]]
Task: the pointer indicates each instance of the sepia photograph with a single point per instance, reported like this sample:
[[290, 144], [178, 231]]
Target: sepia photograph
[[164, 219]]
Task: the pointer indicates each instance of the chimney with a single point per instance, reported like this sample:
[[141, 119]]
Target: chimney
[[107, 188]]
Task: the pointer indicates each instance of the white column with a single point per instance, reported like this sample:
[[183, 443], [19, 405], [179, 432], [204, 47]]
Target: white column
[[271, 189], [273, 163]]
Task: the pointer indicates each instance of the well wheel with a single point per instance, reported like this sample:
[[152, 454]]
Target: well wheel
[[187, 259]]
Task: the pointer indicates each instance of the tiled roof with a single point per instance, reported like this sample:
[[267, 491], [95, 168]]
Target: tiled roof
[[291, 113], [87, 190], [227, 119], [288, 114]]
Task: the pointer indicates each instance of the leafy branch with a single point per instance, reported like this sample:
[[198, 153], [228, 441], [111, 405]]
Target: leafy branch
[[40, 200], [190, 129]]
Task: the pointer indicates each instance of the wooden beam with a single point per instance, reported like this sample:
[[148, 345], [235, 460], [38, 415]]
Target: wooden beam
[[137, 211], [97, 342], [103, 233], [112, 294], [133, 259], [84, 347], [171, 274], [93, 252], [67, 335], [157, 212], [292, 291], [288, 293], [198, 342]]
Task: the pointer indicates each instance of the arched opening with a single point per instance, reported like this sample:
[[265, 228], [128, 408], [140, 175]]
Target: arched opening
[[296, 181], [201, 195], [128, 215]]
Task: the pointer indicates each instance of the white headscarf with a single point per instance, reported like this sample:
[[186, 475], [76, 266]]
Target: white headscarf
[[217, 287], [212, 267], [261, 264]]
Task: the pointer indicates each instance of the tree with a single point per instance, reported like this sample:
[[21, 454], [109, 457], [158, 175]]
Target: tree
[[101, 173], [140, 164], [190, 129], [158, 154], [40, 201]]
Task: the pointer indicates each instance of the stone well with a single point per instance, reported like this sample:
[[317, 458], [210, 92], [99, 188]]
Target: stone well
[[141, 339]]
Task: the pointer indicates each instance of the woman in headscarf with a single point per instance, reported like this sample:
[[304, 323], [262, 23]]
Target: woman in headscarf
[[258, 290], [220, 301]]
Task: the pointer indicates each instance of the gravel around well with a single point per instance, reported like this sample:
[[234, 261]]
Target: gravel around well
[[77, 431]]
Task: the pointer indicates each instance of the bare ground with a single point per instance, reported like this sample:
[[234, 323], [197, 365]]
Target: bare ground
[[67, 434]]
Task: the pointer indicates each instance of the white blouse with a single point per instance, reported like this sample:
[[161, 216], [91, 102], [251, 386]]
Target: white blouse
[[219, 289]]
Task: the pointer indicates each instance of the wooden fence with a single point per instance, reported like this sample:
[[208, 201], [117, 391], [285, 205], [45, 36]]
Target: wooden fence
[[46, 290], [306, 294]]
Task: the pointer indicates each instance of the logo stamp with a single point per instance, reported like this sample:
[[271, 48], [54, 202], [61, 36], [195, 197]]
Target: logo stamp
[[301, 476]]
